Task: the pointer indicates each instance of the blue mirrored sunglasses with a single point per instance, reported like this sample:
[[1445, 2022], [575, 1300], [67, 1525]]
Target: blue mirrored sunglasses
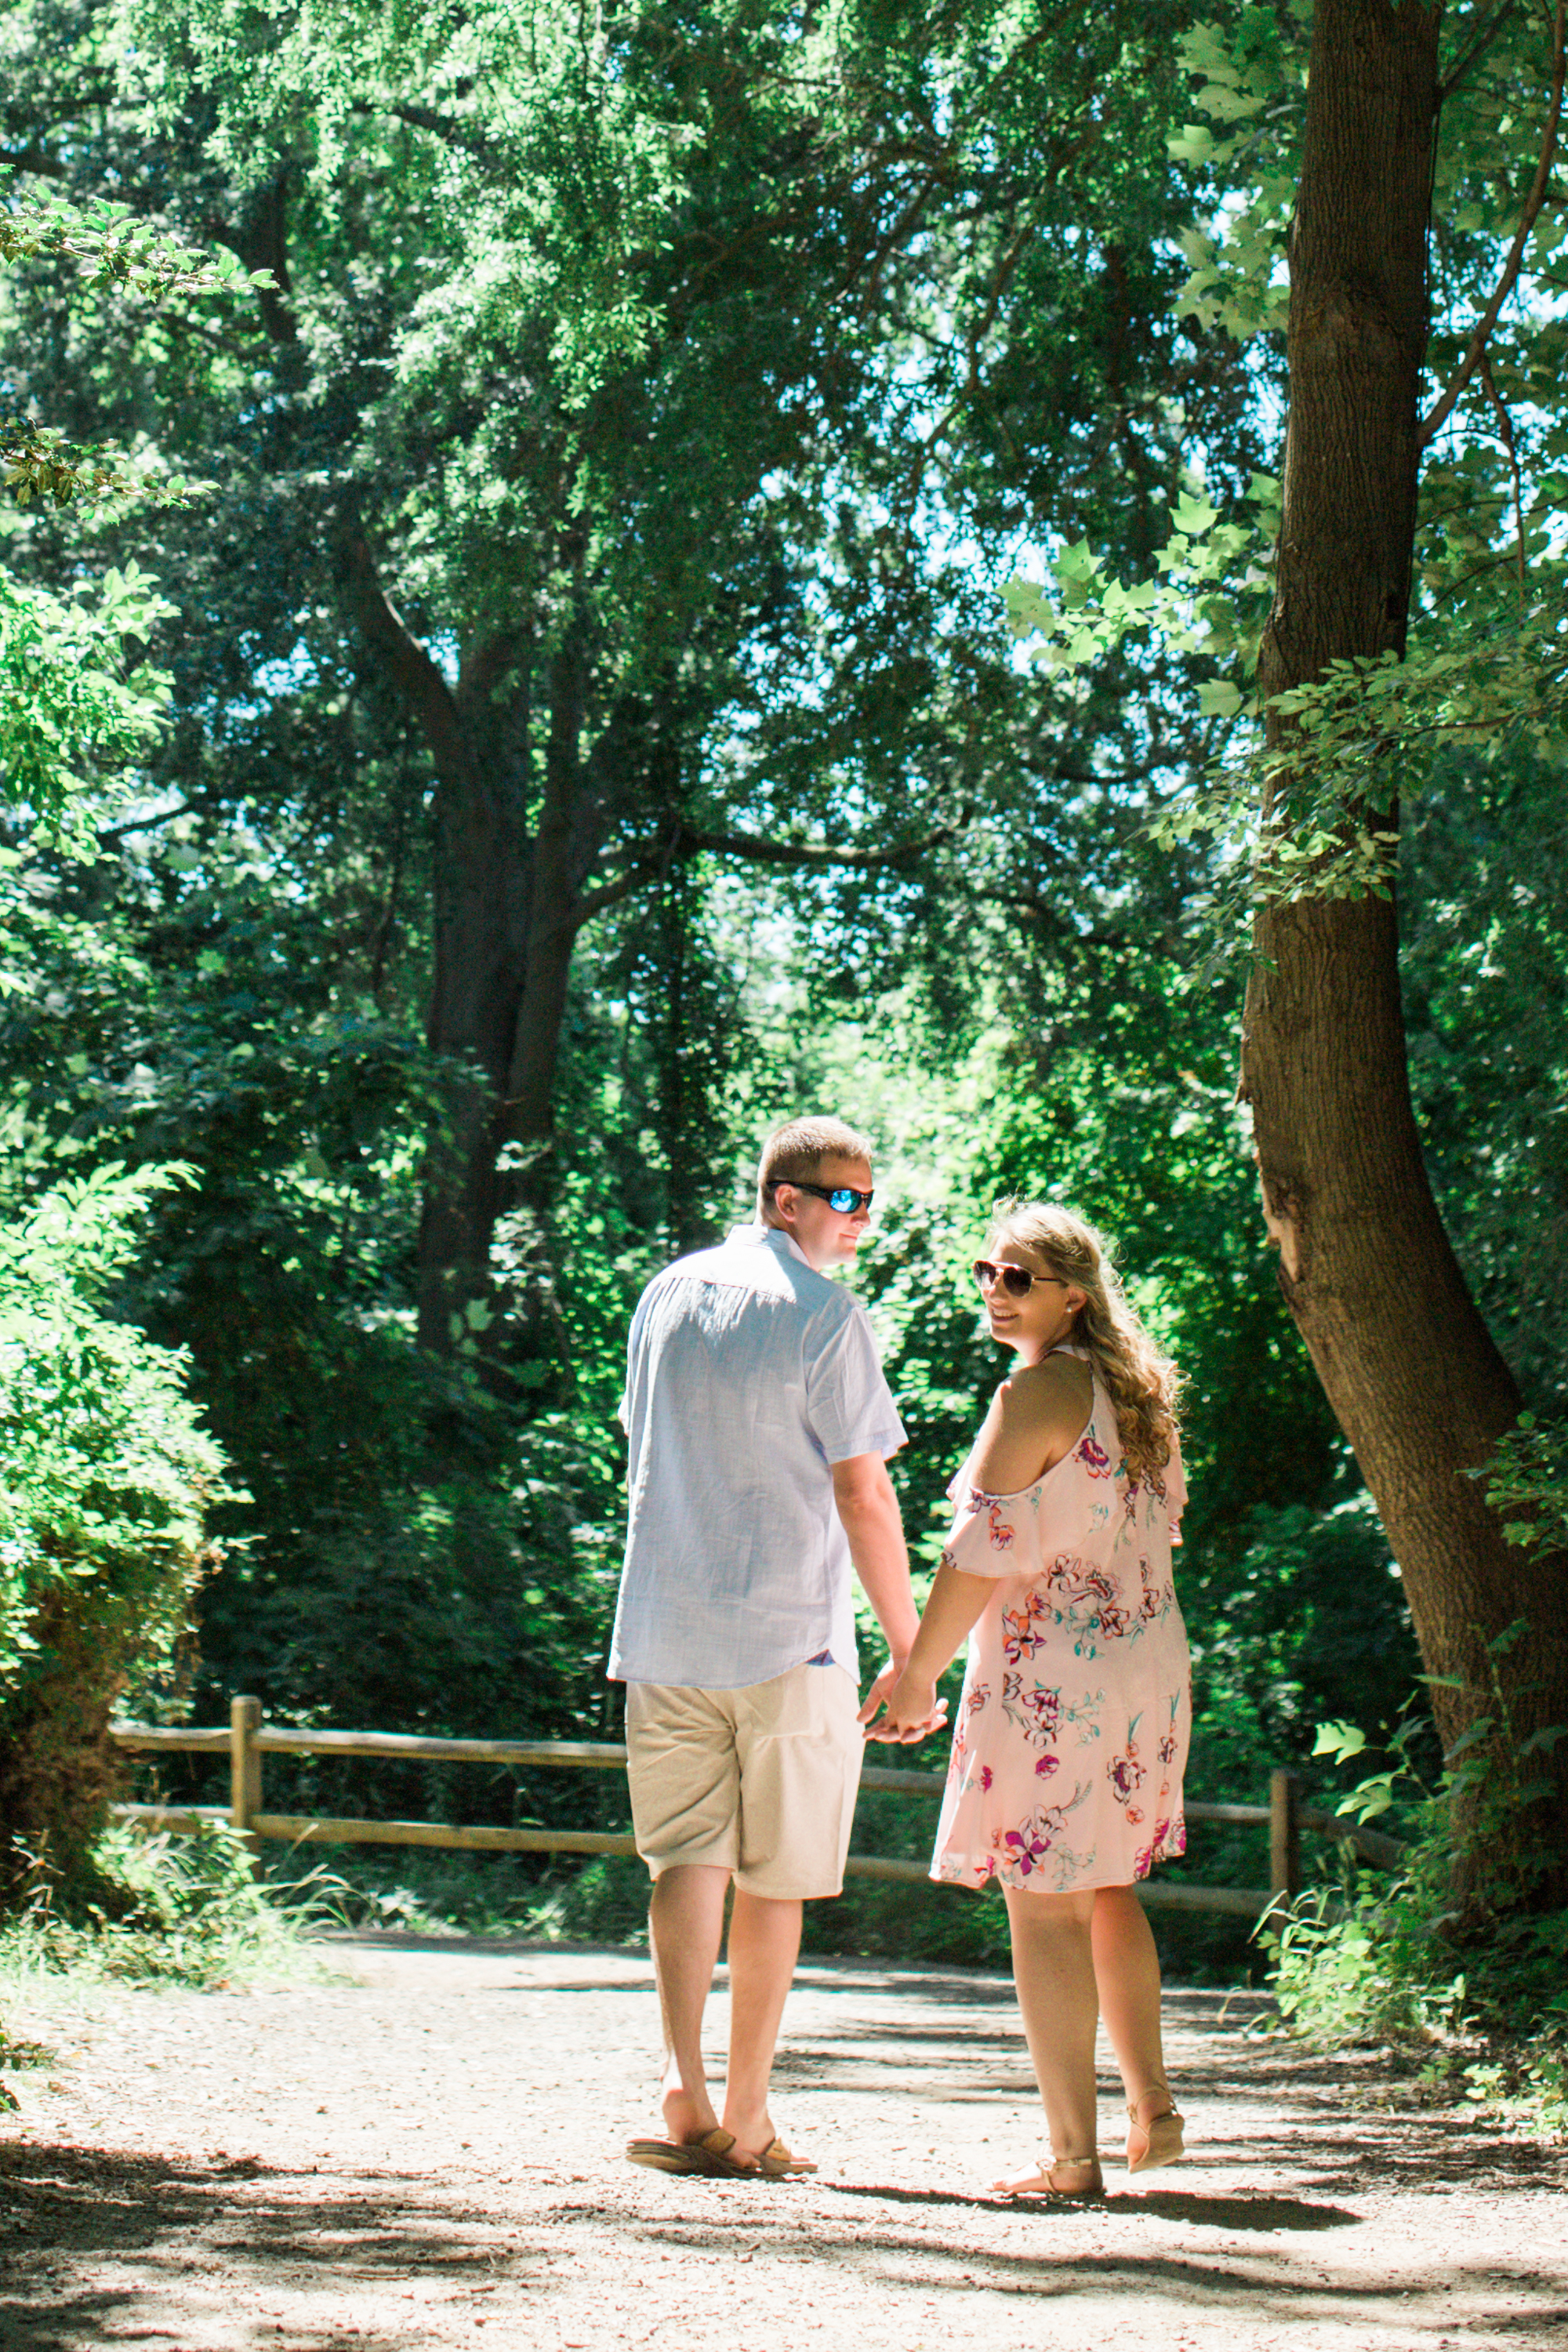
[[842, 1198]]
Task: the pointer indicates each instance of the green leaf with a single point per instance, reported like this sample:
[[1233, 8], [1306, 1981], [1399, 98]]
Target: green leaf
[[1194, 144], [1194, 516]]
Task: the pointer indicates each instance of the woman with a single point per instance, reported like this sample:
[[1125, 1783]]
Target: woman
[[1065, 1778]]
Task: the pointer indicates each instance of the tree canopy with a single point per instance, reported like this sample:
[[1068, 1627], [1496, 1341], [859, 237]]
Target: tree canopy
[[733, 546]]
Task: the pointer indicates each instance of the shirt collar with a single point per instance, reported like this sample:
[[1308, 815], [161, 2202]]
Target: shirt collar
[[771, 1237]]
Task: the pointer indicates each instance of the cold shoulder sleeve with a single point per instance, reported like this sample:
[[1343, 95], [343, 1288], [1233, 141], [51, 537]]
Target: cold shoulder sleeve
[[1175, 1481], [992, 1535]]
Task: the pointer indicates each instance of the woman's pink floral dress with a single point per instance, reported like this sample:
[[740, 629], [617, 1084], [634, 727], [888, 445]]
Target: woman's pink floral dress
[[1073, 1729]]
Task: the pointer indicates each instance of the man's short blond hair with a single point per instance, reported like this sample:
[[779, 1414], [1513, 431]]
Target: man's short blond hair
[[795, 1154]]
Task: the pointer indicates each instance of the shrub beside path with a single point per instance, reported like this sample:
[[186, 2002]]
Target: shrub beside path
[[425, 2151]]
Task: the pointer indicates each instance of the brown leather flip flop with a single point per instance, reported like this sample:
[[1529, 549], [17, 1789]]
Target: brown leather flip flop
[[707, 2156], [777, 2162]]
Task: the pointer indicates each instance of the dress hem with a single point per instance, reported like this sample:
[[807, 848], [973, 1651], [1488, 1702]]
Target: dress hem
[[1078, 1887]]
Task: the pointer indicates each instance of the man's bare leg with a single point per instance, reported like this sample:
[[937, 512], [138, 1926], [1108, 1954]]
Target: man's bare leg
[[685, 1925], [765, 1944]]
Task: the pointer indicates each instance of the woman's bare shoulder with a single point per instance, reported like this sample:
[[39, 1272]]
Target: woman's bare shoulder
[[1034, 1417], [1044, 1391]]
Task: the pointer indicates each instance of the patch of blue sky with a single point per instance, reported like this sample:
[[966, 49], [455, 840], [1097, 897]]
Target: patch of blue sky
[[284, 675]]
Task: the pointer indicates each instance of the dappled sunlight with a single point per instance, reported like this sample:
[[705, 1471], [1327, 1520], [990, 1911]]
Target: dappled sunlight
[[426, 2150]]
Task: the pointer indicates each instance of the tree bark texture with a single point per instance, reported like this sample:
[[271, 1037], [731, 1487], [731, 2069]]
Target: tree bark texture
[[58, 1763], [508, 884], [1407, 1363], [510, 862]]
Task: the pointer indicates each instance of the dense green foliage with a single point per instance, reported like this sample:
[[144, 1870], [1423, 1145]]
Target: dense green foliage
[[721, 365], [104, 1473], [1471, 1982], [186, 1911]]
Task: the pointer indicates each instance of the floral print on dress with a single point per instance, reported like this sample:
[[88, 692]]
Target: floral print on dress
[[1036, 1711], [1073, 1581], [1022, 1849], [1024, 1628], [1094, 1457], [1151, 1601], [1069, 1869], [1070, 1737], [1089, 1604], [1168, 1844], [1126, 1775], [1000, 1533]]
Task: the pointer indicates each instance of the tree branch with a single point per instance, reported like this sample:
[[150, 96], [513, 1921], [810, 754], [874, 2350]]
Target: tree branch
[[425, 691], [456, 133], [1481, 333], [109, 835], [1505, 424], [263, 244], [33, 159], [1052, 772], [653, 861], [689, 841], [1476, 50]]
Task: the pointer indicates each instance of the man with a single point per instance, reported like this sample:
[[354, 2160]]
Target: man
[[759, 1424]]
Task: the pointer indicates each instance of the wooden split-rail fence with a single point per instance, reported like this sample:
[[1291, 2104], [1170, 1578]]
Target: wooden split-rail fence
[[247, 1739]]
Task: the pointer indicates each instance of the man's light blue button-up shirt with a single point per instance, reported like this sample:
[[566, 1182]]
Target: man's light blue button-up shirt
[[748, 1375]]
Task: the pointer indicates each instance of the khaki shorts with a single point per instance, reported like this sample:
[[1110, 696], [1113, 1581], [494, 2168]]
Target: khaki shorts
[[760, 1781]]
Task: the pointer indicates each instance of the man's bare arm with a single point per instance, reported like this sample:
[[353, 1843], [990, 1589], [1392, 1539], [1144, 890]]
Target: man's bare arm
[[867, 1505], [868, 1508], [956, 1602]]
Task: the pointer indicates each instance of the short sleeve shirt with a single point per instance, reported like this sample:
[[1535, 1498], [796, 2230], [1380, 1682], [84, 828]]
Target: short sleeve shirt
[[749, 1375]]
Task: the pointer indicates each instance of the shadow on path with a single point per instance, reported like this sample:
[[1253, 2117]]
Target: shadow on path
[[1263, 2212], [1316, 2201], [142, 2228]]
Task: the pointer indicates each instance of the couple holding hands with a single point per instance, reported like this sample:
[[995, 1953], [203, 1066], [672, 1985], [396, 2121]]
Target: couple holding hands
[[758, 1425]]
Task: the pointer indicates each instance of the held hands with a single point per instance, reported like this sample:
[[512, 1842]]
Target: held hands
[[913, 1708]]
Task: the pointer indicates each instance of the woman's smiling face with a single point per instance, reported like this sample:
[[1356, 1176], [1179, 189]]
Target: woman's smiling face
[[1043, 1317]]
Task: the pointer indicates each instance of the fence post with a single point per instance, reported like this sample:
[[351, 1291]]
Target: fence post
[[244, 1763], [1284, 1837]]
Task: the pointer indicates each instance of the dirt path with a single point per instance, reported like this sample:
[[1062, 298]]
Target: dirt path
[[426, 2152]]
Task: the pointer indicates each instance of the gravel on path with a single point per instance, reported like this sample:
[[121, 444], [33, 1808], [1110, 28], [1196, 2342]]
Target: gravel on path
[[426, 2151]]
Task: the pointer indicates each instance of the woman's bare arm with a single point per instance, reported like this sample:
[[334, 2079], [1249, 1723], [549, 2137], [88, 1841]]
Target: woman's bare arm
[[915, 1709]]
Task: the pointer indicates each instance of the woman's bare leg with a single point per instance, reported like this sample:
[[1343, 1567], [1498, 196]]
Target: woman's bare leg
[[1127, 1973], [1052, 1970]]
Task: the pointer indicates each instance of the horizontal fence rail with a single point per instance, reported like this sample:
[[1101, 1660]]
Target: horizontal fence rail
[[247, 1739]]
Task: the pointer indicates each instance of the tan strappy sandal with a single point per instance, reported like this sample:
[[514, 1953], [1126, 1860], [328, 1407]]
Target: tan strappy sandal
[[1160, 2136], [1088, 2183]]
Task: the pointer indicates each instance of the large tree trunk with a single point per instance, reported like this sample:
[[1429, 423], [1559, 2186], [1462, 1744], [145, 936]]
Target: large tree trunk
[[1405, 1360], [509, 903], [482, 892]]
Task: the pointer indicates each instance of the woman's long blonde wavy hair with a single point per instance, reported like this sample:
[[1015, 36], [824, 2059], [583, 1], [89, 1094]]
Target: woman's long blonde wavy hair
[[1143, 1386]]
